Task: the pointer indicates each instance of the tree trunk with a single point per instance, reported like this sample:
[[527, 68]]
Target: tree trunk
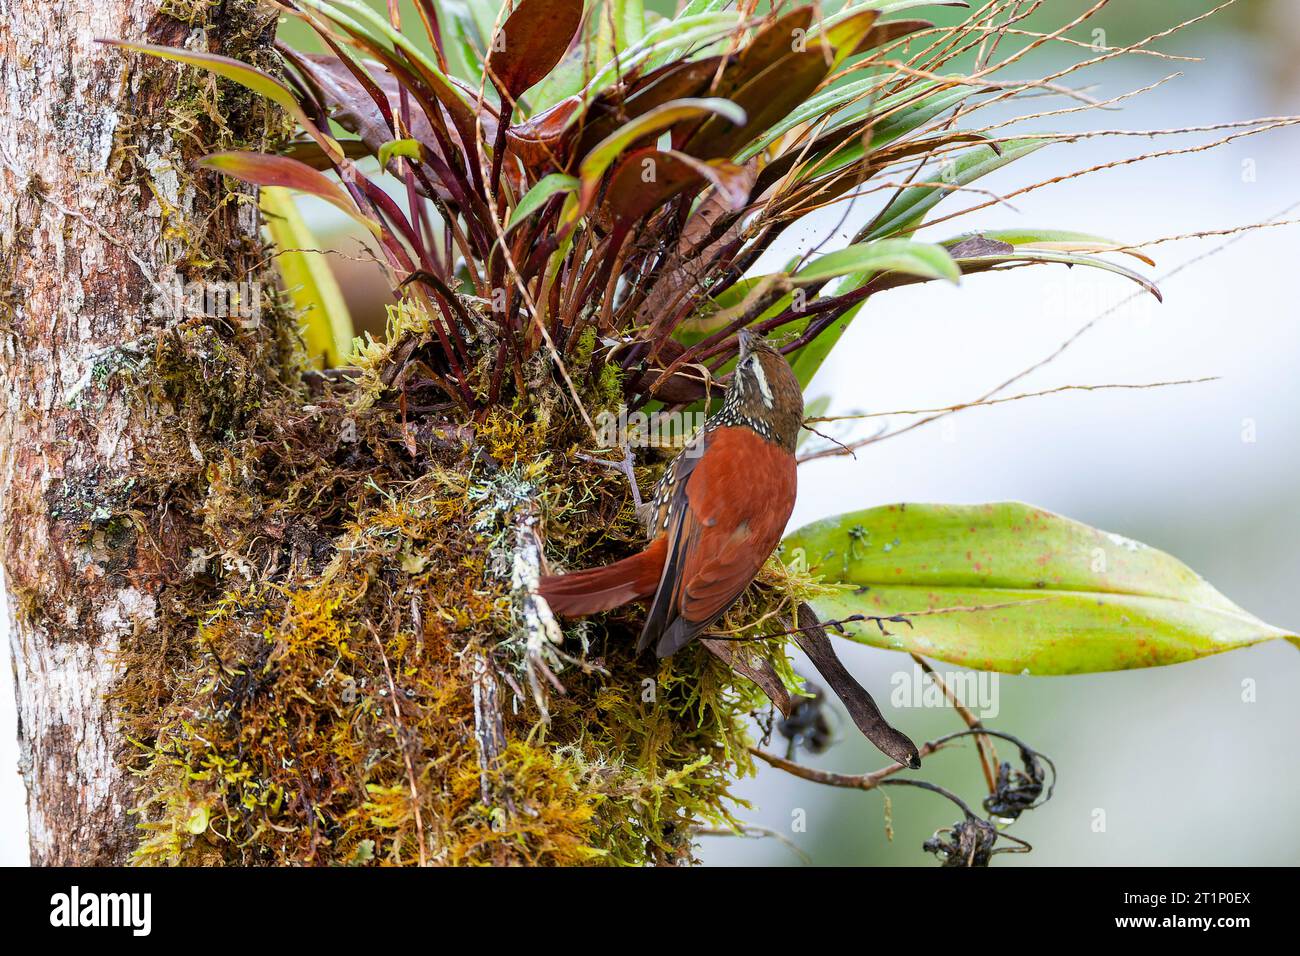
[[285, 618], [99, 217]]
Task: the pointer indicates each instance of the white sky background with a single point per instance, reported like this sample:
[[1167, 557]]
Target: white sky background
[[1185, 772], [1163, 751]]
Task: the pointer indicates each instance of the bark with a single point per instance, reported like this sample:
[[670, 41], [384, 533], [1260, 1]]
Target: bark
[[93, 180]]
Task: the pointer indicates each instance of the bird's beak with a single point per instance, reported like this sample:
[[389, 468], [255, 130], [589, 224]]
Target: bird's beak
[[746, 339]]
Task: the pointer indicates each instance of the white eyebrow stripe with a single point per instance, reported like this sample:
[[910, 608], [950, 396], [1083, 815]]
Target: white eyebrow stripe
[[761, 377]]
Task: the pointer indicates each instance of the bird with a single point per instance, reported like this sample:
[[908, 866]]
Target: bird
[[718, 512]]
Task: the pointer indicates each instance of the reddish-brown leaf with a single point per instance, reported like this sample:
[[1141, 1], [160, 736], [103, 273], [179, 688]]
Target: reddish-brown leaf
[[772, 42], [542, 141], [645, 180], [883, 33], [348, 102], [531, 42], [310, 153], [263, 169], [687, 384], [731, 182], [766, 98], [534, 141], [616, 106], [773, 74]]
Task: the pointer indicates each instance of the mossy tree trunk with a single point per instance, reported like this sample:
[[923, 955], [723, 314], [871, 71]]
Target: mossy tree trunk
[[100, 218], [290, 618]]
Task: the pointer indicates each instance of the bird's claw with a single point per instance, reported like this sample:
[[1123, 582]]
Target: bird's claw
[[624, 468]]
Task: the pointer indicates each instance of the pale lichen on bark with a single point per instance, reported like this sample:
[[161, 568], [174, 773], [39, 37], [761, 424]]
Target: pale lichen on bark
[[188, 531], [83, 255]]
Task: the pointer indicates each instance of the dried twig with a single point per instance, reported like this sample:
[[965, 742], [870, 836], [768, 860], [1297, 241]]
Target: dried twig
[[753, 831], [1009, 398], [988, 755], [400, 732]]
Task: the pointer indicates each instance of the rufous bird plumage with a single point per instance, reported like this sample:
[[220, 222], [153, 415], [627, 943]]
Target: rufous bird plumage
[[718, 512]]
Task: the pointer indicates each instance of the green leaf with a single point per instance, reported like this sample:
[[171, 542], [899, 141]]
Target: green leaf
[[619, 25], [535, 198], [979, 263], [631, 21], [889, 119], [1079, 600], [327, 324], [463, 42], [410, 148], [889, 129], [665, 42], [912, 204], [906, 112], [1055, 240], [484, 14], [696, 7], [891, 6], [850, 96], [922, 259], [263, 169]]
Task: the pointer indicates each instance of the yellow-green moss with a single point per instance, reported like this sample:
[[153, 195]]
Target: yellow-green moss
[[347, 567], [336, 566]]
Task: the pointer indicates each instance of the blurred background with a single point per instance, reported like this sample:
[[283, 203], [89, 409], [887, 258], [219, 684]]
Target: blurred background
[[1190, 764]]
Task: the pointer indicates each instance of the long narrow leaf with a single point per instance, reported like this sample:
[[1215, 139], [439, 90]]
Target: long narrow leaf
[[1058, 240], [327, 324], [1022, 255], [885, 255], [263, 169], [243, 74], [911, 206], [536, 197]]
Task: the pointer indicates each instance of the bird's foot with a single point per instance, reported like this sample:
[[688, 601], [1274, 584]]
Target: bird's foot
[[624, 468]]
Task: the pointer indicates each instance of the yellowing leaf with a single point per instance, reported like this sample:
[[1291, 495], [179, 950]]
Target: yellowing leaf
[[1013, 588], [307, 278]]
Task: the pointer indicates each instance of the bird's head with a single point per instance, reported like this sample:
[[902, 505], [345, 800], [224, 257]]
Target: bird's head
[[764, 393]]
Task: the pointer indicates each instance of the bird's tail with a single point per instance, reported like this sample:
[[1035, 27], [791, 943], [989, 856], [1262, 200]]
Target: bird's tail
[[600, 589]]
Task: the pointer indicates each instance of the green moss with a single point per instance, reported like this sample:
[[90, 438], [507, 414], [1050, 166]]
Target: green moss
[[338, 593], [336, 567]]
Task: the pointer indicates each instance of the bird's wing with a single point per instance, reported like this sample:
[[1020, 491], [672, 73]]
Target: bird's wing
[[735, 506], [672, 521]]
